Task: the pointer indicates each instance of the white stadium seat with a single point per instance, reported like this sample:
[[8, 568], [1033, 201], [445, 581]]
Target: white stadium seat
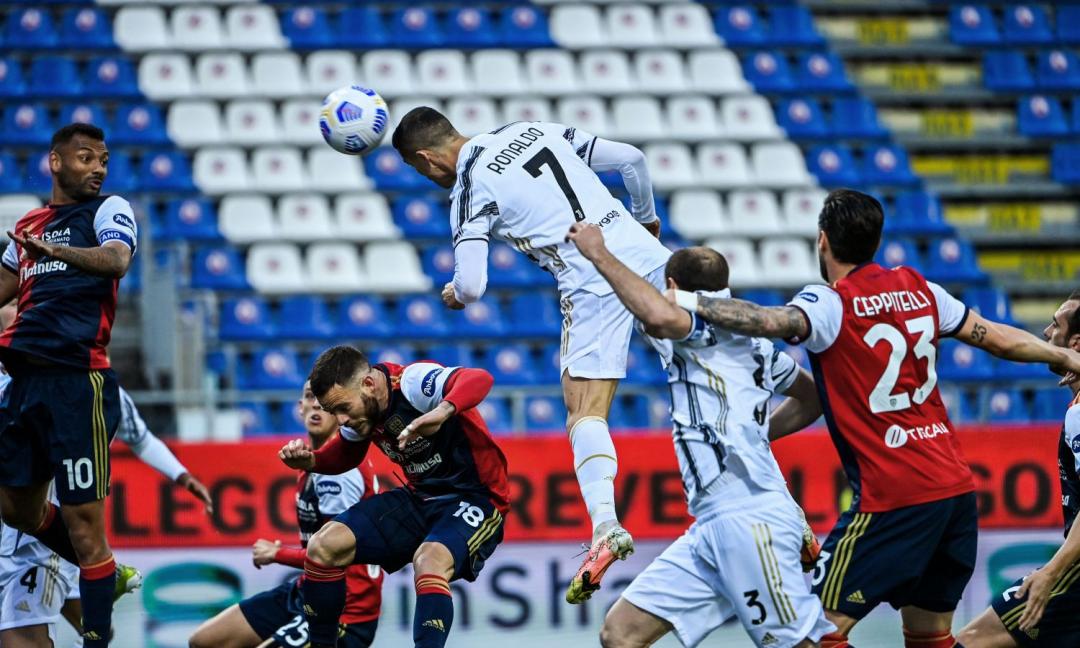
[[686, 24], [254, 27], [716, 71], [670, 166], [692, 118], [551, 72], [194, 123], [801, 210], [394, 267], [497, 73], [328, 70], [723, 165], [304, 217], [165, 76], [749, 117], [779, 164], [331, 171], [472, 116], [753, 212], [363, 217], [300, 122], [196, 28], [219, 170], [336, 268], [251, 122], [576, 26], [277, 75], [244, 219], [221, 76], [277, 169], [606, 72], [788, 262], [275, 268], [638, 118], [697, 214], [660, 71], [442, 72], [13, 207], [526, 109], [401, 107], [743, 266], [139, 29], [631, 26], [390, 71], [586, 113]]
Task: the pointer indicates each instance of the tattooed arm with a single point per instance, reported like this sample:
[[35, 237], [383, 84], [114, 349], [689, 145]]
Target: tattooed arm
[[1014, 344], [110, 259], [747, 318]]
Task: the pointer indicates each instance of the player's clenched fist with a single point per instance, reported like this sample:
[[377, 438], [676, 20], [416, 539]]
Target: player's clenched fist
[[449, 298], [588, 238], [297, 454]]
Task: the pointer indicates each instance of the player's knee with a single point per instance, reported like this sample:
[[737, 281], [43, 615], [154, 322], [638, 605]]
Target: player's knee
[[433, 558], [201, 639], [614, 635]]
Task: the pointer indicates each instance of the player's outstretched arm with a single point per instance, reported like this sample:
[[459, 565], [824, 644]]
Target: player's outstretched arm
[[110, 259], [629, 161], [1015, 344], [801, 408], [747, 318], [661, 318], [1039, 584], [335, 456]]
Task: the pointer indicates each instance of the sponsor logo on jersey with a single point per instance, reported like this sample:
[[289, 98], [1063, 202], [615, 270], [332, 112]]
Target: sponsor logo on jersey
[[902, 301], [769, 640], [22, 606], [856, 597], [324, 488], [423, 466], [123, 219], [427, 385], [43, 267], [1075, 445], [897, 437], [57, 237], [808, 296], [517, 146]]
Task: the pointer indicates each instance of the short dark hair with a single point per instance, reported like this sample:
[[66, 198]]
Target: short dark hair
[[698, 268], [422, 128], [852, 221], [67, 133], [1072, 326], [336, 366]]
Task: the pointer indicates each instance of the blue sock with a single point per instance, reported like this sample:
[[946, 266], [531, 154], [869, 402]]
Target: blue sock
[[324, 599], [97, 584], [53, 533], [434, 611]]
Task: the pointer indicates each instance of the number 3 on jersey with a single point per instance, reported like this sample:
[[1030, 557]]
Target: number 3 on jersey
[[882, 398], [545, 156]]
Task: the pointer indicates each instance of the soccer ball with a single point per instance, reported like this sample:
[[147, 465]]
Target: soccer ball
[[353, 119]]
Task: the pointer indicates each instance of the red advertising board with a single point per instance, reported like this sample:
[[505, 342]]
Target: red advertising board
[[1015, 467]]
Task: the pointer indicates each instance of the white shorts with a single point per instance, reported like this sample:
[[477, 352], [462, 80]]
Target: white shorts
[[33, 591], [596, 332], [741, 561]]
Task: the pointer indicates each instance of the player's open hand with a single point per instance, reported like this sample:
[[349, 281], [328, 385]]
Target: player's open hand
[[297, 454], [196, 488], [425, 424], [449, 298], [1036, 587], [1070, 369], [263, 552], [35, 247], [588, 238]]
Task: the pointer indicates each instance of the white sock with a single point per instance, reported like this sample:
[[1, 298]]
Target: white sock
[[596, 466]]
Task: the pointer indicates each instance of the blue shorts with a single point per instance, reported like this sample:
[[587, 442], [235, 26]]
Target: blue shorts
[[920, 555], [57, 423], [279, 613], [389, 527], [1060, 622]]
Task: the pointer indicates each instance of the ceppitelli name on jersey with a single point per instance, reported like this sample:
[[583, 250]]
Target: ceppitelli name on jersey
[[895, 301], [514, 149]]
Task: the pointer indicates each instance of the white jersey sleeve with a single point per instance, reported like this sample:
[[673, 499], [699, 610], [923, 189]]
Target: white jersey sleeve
[[952, 313], [11, 257], [824, 312], [337, 493], [582, 141], [784, 370], [1072, 433], [132, 429], [472, 203], [422, 384], [115, 221], [151, 450]]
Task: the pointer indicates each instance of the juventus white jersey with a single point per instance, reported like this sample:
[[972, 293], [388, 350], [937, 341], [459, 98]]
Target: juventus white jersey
[[721, 384], [526, 184]]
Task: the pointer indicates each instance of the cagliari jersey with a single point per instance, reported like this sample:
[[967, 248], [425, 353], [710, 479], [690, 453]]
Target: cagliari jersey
[[1069, 464], [873, 347], [526, 184], [65, 315], [721, 384]]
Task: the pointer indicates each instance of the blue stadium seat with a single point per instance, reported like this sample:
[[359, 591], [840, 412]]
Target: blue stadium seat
[[482, 319], [388, 171], [470, 27], [629, 412], [256, 419], [438, 263], [740, 26], [763, 297], [1051, 403], [643, 367], [218, 268], [38, 178], [548, 363], [421, 316], [1076, 116], [122, 177], [191, 219], [132, 283], [12, 82], [496, 414], [1007, 71], [1006, 370], [821, 72], [535, 314], [1065, 163], [54, 77], [793, 25], [1005, 405], [833, 165], [1068, 23], [917, 212], [973, 25], [659, 411], [110, 76], [289, 416], [276, 369], [524, 26], [363, 318], [1058, 69], [30, 28], [855, 117], [992, 303], [10, 175], [85, 113], [305, 318], [422, 218], [887, 165], [165, 171], [898, 252], [958, 404], [86, 27], [415, 27], [449, 355], [139, 123], [245, 318], [544, 414], [511, 364], [768, 72], [508, 268], [801, 118], [362, 28], [953, 260], [393, 354], [27, 124], [1027, 24], [958, 361], [1041, 116], [307, 28], [217, 362]]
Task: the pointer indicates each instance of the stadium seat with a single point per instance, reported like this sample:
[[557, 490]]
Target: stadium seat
[[497, 72], [191, 219], [54, 77], [833, 165], [535, 314], [275, 268], [363, 217], [442, 72], [763, 297], [670, 166], [576, 26], [276, 75], [508, 268], [407, 275], [605, 72], [698, 214], [1005, 370], [14, 207], [587, 113], [395, 355], [449, 355], [438, 263], [958, 404], [109, 77], [335, 268], [1050, 403], [801, 119], [362, 28], [401, 107], [10, 175], [276, 169], [194, 123], [328, 170], [469, 28], [27, 124], [38, 178], [256, 419], [818, 72], [246, 318], [1058, 69], [898, 252], [253, 27], [1076, 116], [630, 412], [630, 26], [972, 25], [496, 413], [472, 116], [1068, 23], [768, 72], [992, 303], [887, 165], [304, 217], [716, 71], [482, 320], [1041, 116], [276, 369], [221, 76], [741, 26], [524, 26], [779, 164], [551, 72], [250, 122], [88, 27], [526, 109], [692, 118], [1007, 71], [1005, 405], [218, 268], [122, 176], [12, 82], [422, 218], [855, 117], [741, 258], [958, 361], [307, 28], [660, 72], [420, 316], [953, 260], [300, 122], [801, 208], [786, 261], [748, 117], [686, 24], [544, 414], [328, 70], [165, 76], [1027, 24], [793, 25], [511, 364], [246, 218], [917, 213], [753, 212], [363, 318], [138, 29], [388, 171], [165, 171], [723, 165], [196, 28], [638, 118], [643, 367], [1065, 163], [221, 170], [30, 28], [415, 28]]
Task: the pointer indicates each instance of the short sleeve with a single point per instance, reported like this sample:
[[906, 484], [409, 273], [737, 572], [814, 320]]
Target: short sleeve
[[784, 371], [337, 493], [11, 257], [824, 312], [472, 204], [423, 384], [952, 313], [1072, 433], [115, 221]]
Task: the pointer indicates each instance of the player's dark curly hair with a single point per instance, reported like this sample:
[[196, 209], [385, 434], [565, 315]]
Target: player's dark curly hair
[[336, 366], [67, 133], [698, 268], [1073, 324], [852, 220], [422, 128]]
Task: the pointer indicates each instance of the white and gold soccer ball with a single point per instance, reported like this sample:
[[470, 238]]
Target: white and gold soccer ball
[[354, 120]]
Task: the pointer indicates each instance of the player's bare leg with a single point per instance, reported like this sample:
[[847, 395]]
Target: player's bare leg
[[628, 625], [986, 631], [36, 636], [927, 628], [72, 612], [433, 567], [229, 629], [23, 507]]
